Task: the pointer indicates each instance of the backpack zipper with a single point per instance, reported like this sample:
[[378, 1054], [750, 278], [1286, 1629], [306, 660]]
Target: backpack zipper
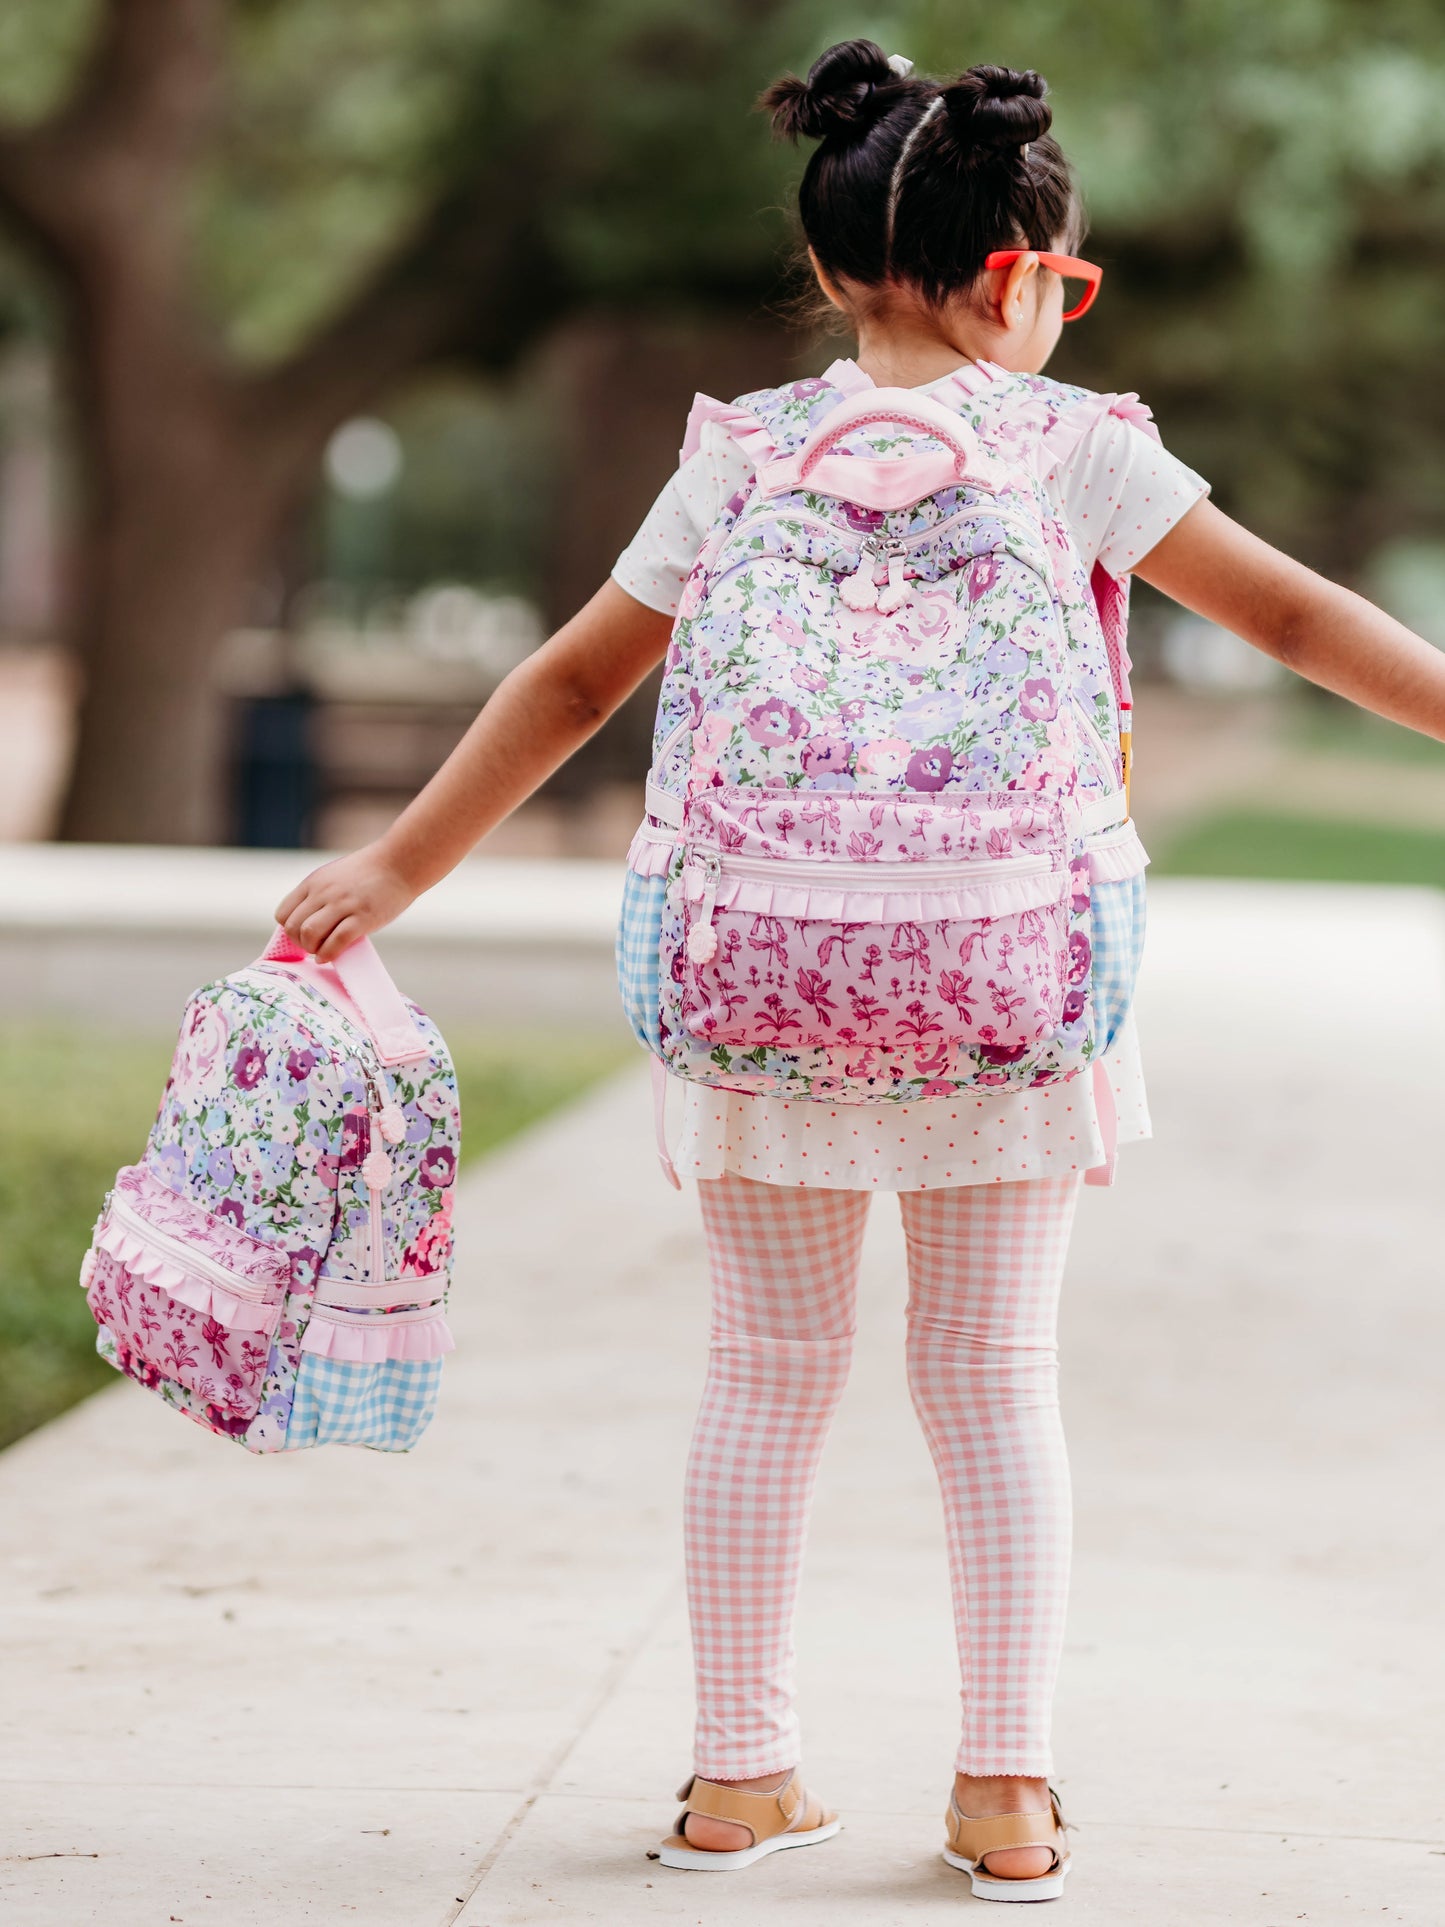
[[385, 1119], [871, 544], [703, 870], [186, 1258], [826, 870]]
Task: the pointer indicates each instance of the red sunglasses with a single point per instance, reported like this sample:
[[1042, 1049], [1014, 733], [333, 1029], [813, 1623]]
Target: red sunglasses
[[1068, 266]]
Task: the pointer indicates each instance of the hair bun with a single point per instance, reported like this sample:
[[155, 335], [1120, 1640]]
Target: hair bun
[[992, 107], [838, 97]]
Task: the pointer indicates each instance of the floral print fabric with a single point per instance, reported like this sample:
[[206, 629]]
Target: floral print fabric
[[264, 1144], [946, 650]]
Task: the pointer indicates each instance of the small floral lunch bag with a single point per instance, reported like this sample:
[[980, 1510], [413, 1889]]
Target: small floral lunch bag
[[276, 1266]]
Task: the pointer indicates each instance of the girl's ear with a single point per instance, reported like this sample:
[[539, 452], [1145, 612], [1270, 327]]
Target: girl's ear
[[825, 284], [1017, 292]]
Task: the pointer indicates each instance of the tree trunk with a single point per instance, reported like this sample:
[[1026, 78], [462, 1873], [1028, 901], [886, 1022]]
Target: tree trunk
[[180, 511]]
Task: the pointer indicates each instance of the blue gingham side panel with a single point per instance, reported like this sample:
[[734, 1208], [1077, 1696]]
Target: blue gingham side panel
[[639, 938], [1118, 937], [386, 1406]]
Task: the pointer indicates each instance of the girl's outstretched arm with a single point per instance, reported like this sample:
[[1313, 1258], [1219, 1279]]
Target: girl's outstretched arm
[[1324, 632], [538, 715]]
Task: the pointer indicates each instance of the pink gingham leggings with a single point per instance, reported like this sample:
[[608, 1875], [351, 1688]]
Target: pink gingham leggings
[[984, 1264]]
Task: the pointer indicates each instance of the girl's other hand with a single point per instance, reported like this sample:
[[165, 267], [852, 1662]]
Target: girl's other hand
[[342, 902]]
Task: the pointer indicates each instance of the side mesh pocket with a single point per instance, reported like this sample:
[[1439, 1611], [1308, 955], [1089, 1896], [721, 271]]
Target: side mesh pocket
[[1118, 918]]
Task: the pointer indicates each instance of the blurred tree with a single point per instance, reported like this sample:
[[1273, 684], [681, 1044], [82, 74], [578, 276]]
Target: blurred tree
[[260, 217]]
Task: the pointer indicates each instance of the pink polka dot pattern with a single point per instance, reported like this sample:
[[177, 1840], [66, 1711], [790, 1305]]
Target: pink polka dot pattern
[[938, 1142]]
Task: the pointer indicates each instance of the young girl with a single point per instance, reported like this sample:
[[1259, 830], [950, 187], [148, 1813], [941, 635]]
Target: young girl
[[915, 189]]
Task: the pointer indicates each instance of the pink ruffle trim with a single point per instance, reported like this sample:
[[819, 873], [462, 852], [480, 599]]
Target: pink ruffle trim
[[239, 1314], [369, 1341], [649, 856], [962, 903], [1113, 862]]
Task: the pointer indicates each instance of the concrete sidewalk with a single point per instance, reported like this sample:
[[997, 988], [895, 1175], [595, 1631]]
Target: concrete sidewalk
[[455, 1688]]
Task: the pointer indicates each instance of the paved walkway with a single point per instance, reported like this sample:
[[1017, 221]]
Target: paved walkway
[[454, 1688]]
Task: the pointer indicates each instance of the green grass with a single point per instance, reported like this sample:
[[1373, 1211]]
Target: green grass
[[1248, 843], [1331, 726], [74, 1107]]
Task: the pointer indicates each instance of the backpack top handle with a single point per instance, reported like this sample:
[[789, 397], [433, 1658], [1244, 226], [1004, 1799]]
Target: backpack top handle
[[885, 482]]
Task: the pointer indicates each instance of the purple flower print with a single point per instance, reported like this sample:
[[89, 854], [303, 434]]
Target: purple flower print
[[1000, 1055], [300, 1064], [438, 1166], [1073, 1008], [1005, 659], [826, 755], [169, 1165], [305, 1263], [773, 722], [250, 1067], [930, 769], [221, 1168], [920, 714], [865, 521], [982, 576], [1081, 955], [1040, 700], [355, 1139], [231, 1208], [809, 679]]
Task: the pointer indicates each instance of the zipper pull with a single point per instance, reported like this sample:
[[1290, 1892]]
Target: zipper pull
[[857, 591], [700, 886], [896, 591], [376, 1169]]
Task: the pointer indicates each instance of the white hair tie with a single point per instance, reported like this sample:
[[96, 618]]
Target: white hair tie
[[901, 65]]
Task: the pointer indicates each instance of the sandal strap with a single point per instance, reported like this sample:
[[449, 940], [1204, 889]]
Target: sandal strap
[[975, 1839], [764, 1814]]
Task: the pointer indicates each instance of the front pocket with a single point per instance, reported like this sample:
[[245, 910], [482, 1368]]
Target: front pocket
[[186, 1298], [924, 922]]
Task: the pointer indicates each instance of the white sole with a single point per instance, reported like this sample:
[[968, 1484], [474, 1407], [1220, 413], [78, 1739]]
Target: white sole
[[698, 1860], [1046, 1886]]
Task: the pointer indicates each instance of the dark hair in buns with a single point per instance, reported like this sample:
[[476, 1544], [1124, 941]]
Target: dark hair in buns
[[916, 180]]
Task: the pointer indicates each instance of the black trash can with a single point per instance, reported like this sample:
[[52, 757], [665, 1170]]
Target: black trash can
[[275, 771]]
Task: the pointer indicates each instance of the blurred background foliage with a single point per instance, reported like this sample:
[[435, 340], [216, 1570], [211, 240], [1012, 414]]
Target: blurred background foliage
[[1265, 185]]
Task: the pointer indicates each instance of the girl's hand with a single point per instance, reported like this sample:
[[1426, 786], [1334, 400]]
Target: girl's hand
[[342, 902]]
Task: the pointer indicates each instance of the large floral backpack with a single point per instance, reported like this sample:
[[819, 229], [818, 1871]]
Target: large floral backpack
[[887, 852], [276, 1266]]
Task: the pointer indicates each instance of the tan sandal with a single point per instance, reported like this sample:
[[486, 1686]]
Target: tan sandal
[[787, 1816], [970, 1842]]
